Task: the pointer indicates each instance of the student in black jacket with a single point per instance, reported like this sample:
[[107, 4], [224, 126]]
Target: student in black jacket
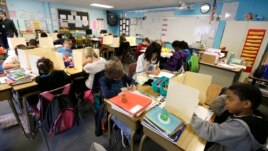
[[7, 29]]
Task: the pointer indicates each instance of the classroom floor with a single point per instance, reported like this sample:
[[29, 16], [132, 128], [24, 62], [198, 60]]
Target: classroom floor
[[78, 138]]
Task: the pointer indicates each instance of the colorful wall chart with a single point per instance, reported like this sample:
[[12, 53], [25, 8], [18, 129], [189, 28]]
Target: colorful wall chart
[[252, 46]]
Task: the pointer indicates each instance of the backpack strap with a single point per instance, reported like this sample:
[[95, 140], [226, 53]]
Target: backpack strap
[[47, 95]]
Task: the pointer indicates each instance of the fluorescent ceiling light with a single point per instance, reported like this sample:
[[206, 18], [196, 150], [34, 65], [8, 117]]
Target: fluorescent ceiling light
[[101, 5]]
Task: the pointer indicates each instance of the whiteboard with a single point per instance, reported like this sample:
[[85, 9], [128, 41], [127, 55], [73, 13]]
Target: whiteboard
[[187, 28]]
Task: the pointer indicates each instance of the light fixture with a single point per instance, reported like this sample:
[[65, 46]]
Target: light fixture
[[101, 5], [205, 8]]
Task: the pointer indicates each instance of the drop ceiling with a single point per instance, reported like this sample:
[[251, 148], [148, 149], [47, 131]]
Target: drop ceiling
[[127, 4]]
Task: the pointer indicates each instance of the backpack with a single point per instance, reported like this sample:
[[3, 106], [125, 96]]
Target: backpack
[[58, 111]]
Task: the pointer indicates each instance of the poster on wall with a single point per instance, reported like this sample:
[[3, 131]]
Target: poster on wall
[[252, 46]]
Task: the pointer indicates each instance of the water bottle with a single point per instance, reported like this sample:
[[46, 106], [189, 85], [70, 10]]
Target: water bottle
[[230, 58]]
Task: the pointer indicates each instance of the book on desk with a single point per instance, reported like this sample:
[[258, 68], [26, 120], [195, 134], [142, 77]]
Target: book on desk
[[18, 76], [131, 103]]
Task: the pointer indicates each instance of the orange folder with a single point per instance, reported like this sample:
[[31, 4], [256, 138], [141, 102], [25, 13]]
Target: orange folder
[[131, 102]]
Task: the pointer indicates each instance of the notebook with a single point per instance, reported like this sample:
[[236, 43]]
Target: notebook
[[181, 100], [134, 104], [164, 120]]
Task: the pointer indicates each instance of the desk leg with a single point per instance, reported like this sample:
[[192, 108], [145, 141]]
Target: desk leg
[[132, 140], [142, 142], [110, 128], [16, 114]]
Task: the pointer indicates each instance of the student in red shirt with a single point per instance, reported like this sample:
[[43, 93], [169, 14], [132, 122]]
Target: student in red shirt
[[142, 46]]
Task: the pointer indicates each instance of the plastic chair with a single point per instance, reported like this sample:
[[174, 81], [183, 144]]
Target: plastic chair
[[132, 69]]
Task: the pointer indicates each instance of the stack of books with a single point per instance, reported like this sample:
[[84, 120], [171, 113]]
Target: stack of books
[[17, 76], [163, 123], [130, 103]]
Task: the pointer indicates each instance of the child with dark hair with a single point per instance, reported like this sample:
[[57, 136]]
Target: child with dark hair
[[43, 34], [178, 58], [239, 128], [49, 78], [124, 47], [32, 44], [12, 61], [59, 41], [148, 62]]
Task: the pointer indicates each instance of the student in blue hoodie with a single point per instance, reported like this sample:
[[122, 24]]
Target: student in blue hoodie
[[114, 82], [237, 126]]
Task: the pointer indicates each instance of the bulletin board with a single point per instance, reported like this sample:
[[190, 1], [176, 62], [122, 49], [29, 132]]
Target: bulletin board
[[74, 20]]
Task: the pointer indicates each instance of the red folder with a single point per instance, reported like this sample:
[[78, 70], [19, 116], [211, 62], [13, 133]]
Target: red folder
[[135, 103]]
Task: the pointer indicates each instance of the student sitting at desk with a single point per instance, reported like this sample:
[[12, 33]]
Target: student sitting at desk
[[113, 83], [48, 79], [124, 47], [67, 52], [178, 58], [148, 62], [142, 46], [92, 65], [238, 127], [12, 61], [59, 41]]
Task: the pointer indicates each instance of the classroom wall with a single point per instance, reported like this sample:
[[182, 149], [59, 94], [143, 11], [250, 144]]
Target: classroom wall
[[34, 7]]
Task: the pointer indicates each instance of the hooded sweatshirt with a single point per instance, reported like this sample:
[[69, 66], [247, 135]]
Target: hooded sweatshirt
[[236, 133]]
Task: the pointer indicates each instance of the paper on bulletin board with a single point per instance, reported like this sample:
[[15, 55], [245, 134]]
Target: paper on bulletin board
[[77, 17], [70, 17], [21, 13], [31, 15], [63, 24], [62, 16], [84, 18], [84, 22], [73, 13], [29, 25], [78, 23], [71, 21]]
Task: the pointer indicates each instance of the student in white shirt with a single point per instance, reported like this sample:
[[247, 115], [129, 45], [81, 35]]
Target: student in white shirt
[[148, 62], [12, 61], [92, 65]]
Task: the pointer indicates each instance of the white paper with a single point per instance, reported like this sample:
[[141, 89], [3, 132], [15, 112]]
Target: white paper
[[46, 42], [77, 17], [3, 80], [135, 109], [181, 100], [71, 21], [162, 74], [203, 113], [73, 13], [33, 60], [84, 22], [23, 59], [64, 24], [84, 18], [70, 17], [77, 60], [62, 16], [78, 23]]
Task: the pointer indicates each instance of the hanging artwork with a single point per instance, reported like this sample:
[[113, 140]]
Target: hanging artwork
[[252, 46]]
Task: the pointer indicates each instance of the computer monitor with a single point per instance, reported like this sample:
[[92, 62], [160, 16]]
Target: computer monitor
[[103, 31], [88, 31]]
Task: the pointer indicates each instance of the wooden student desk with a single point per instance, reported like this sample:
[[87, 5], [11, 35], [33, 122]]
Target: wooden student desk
[[132, 122], [220, 75], [188, 140], [6, 94]]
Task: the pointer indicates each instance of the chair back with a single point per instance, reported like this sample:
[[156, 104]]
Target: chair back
[[132, 69], [96, 83], [58, 109]]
